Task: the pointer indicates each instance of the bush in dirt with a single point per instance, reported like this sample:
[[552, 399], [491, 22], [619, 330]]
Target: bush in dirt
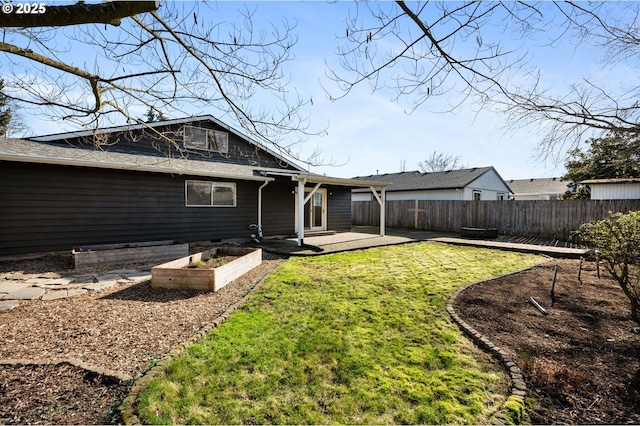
[[617, 241]]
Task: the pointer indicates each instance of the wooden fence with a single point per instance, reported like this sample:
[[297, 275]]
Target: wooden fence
[[546, 219]]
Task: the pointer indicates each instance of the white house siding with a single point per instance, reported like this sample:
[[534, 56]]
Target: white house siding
[[619, 191], [489, 185]]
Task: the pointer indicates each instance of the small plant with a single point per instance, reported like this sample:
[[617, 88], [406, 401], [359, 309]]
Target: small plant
[[617, 241]]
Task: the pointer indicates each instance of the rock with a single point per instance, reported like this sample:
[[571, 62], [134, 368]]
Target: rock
[[8, 286], [6, 305], [29, 293]]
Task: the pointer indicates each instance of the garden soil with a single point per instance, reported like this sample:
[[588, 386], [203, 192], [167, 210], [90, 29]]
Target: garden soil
[[581, 361]]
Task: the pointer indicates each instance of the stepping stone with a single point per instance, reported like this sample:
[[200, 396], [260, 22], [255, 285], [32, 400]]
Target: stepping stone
[[85, 278], [100, 285], [109, 277], [62, 294], [29, 293], [8, 286], [55, 283], [6, 305], [122, 272], [140, 277]]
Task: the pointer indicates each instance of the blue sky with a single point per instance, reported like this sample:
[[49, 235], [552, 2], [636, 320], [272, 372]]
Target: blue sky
[[368, 133]]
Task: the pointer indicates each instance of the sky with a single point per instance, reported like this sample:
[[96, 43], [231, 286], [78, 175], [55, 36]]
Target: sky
[[368, 133]]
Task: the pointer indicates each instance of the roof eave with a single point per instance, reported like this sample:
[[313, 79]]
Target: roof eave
[[140, 168]]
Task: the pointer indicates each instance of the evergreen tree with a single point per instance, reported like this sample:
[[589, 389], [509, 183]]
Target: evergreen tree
[[613, 156]]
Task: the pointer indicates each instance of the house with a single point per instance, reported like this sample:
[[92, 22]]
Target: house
[[538, 188], [478, 183], [192, 179], [614, 189]]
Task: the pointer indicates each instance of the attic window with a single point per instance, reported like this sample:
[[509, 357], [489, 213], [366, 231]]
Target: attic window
[[206, 139]]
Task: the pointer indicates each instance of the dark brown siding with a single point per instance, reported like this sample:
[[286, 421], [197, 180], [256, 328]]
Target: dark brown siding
[[47, 208]]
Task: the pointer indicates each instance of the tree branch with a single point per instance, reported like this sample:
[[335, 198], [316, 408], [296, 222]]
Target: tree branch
[[79, 13]]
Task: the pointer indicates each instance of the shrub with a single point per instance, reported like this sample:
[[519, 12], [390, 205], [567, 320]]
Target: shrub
[[617, 241]]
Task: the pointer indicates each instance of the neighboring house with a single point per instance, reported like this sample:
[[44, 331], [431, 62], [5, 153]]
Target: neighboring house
[[614, 189], [538, 188], [189, 180], [478, 183]]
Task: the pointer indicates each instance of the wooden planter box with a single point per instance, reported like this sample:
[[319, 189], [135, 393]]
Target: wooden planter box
[[178, 275], [128, 253]]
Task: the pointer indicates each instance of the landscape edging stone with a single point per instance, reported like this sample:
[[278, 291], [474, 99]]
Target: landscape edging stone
[[518, 385]]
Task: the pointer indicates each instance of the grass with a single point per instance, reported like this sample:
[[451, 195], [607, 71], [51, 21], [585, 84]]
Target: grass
[[360, 337]]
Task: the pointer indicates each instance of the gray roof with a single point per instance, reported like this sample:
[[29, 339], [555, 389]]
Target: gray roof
[[136, 126], [416, 180], [538, 186], [29, 151]]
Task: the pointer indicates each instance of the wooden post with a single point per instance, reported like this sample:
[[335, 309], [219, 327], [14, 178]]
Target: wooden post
[[580, 270], [553, 285], [415, 216]]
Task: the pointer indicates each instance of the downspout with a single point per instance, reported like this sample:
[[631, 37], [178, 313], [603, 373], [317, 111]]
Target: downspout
[[259, 230]]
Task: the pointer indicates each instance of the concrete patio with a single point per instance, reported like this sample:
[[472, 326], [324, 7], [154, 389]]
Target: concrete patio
[[362, 237]]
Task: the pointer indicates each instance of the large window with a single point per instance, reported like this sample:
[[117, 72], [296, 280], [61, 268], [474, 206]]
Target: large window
[[210, 194], [206, 139]]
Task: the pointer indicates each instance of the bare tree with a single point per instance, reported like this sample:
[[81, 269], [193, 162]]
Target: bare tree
[[439, 162], [478, 49], [159, 59]]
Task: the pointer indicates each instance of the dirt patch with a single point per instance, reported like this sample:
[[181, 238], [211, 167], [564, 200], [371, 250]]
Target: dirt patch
[[581, 361], [125, 329], [213, 262]]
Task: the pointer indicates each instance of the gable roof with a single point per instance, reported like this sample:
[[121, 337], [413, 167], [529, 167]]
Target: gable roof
[[139, 126], [538, 186], [416, 180]]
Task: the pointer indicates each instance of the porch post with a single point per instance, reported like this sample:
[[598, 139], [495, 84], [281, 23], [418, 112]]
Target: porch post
[[383, 208], [300, 213], [381, 199]]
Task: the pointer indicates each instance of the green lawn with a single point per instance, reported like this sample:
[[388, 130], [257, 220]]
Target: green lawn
[[359, 337]]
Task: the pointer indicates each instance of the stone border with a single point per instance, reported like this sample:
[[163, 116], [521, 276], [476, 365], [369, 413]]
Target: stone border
[[518, 385], [124, 378], [130, 412]]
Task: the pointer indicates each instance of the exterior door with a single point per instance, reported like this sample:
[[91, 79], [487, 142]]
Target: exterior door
[[315, 211]]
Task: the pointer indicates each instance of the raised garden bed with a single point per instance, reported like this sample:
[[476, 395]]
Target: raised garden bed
[[208, 270], [128, 252]]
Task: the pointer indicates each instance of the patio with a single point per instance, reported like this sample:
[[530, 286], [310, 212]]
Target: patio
[[362, 237]]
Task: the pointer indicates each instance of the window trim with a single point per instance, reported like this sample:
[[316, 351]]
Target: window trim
[[207, 133], [213, 185]]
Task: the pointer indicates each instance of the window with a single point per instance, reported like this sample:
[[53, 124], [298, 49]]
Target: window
[[210, 194], [502, 196], [206, 139], [476, 195]]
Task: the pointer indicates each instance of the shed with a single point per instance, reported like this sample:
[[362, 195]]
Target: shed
[[614, 189]]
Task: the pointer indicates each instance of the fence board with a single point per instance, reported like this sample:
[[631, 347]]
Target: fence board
[[530, 218]]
